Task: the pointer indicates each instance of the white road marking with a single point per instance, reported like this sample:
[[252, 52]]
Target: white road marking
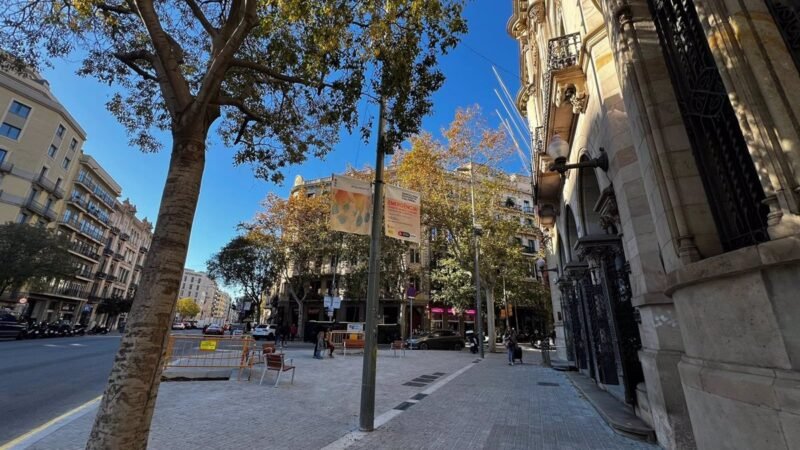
[[50, 427]]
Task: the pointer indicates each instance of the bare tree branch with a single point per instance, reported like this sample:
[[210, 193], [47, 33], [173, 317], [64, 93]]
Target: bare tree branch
[[260, 68], [113, 8], [130, 58], [198, 13]]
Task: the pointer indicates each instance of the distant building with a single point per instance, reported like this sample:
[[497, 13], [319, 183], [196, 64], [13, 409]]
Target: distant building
[[213, 302]]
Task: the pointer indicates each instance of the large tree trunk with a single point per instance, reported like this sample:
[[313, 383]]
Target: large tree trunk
[[490, 326], [123, 421], [301, 327]]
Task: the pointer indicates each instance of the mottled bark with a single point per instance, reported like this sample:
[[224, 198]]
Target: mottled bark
[[490, 318], [123, 421]]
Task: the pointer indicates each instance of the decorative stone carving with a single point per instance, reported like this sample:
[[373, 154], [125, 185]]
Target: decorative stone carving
[[536, 11], [572, 93], [609, 212]]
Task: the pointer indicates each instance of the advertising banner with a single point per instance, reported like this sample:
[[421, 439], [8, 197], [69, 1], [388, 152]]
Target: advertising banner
[[402, 214], [351, 205]]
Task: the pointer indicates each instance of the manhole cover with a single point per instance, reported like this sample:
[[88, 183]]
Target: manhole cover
[[543, 383]]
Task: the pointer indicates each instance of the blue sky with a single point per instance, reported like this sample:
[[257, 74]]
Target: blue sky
[[231, 195]]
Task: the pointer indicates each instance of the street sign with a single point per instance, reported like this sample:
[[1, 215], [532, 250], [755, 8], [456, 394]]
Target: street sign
[[328, 302], [337, 302], [208, 346]]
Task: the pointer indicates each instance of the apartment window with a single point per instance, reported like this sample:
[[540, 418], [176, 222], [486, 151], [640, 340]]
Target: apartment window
[[58, 183], [22, 218], [414, 256], [66, 162], [73, 145], [43, 173], [52, 151], [48, 204], [19, 109], [60, 131], [3, 154], [9, 131]]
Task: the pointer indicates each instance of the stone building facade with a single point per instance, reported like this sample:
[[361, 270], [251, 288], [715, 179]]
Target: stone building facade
[[47, 180], [418, 308], [678, 263]]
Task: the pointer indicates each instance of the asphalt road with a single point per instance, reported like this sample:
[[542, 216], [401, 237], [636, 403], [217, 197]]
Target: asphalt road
[[41, 379]]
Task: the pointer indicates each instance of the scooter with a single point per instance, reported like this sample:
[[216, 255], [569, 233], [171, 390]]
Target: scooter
[[473, 342], [97, 329], [79, 330]]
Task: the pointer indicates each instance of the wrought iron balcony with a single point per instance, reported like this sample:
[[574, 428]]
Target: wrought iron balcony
[[118, 256], [139, 267], [67, 291], [85, 273], [100, 275], [85, 250], [108, 252], [563, 53], [124, 236], [115, 230], [143, 249], [49, 186], [111, 278], [40, 209]]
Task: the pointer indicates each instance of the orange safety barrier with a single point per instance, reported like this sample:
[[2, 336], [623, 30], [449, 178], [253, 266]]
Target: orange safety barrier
[[235, 352]]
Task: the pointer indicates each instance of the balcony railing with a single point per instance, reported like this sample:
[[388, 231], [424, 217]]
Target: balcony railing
[[108, 252], [143, 249], [100, 275], [82, 228], [85, 273], [85, 250], [118, 256], [124, 236], [50, 186], [111, 278], [114, 230], [528, 209], [6, 167], [528, 249], [139, 267], [562, 53], [67, 291], [41, 209]]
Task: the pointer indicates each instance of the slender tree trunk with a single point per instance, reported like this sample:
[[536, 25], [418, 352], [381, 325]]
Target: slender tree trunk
[[490, 326], [123, 421]]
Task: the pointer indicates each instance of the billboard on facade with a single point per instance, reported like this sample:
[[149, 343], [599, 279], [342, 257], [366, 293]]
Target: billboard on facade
[[351, 205], [402, 214]]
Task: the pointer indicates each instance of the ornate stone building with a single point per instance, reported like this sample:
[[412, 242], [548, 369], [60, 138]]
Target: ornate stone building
[[667, 136]]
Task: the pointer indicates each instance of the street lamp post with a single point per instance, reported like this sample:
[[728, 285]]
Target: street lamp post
[[476, 232]]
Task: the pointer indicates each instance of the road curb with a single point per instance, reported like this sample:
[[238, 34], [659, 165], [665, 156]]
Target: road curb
[[42, 431]]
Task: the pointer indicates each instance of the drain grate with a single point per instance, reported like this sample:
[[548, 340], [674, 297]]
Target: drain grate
[[411, 383], [429, 377], [419, 396], [421, 380], [544, 383], [404, 406], [438, 374]]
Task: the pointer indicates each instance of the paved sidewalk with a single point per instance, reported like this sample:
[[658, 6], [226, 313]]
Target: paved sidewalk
[[489, 405]]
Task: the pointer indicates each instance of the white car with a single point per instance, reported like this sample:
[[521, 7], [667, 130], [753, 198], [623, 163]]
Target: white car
[[264, 331], [178, 326]]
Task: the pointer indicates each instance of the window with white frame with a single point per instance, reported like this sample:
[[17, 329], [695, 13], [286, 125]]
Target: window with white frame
[[18, 109]]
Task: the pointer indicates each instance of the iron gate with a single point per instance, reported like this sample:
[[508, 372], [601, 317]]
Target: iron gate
[[729, 176]]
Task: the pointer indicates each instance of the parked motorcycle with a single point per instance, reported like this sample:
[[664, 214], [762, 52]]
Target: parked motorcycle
[[97, 329], [79, 330]]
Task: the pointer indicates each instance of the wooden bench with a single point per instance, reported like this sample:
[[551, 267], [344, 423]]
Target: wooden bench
[[276, 362], [352, 344], [398, 345]]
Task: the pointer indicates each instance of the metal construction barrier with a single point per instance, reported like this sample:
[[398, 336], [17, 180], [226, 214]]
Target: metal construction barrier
[[235, 352], [338, 337]]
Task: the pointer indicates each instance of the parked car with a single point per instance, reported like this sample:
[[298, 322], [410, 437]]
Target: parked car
[[264, 331], [10, 327], [439, 339], [178, 326], [214, 329]]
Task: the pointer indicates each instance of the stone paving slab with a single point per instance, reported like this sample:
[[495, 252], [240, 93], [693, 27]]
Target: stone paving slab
[[490, 405], [321, 406]]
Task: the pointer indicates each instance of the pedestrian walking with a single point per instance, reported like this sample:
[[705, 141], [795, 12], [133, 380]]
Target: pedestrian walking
[[319, 349], [293, 331], [509, 340], [328, 344]]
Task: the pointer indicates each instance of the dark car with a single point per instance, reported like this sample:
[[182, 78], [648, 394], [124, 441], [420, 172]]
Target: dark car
[[10, 327], [440, 339]]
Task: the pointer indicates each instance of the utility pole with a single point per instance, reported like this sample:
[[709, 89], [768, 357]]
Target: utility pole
[[367, 413], [475, 234]]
